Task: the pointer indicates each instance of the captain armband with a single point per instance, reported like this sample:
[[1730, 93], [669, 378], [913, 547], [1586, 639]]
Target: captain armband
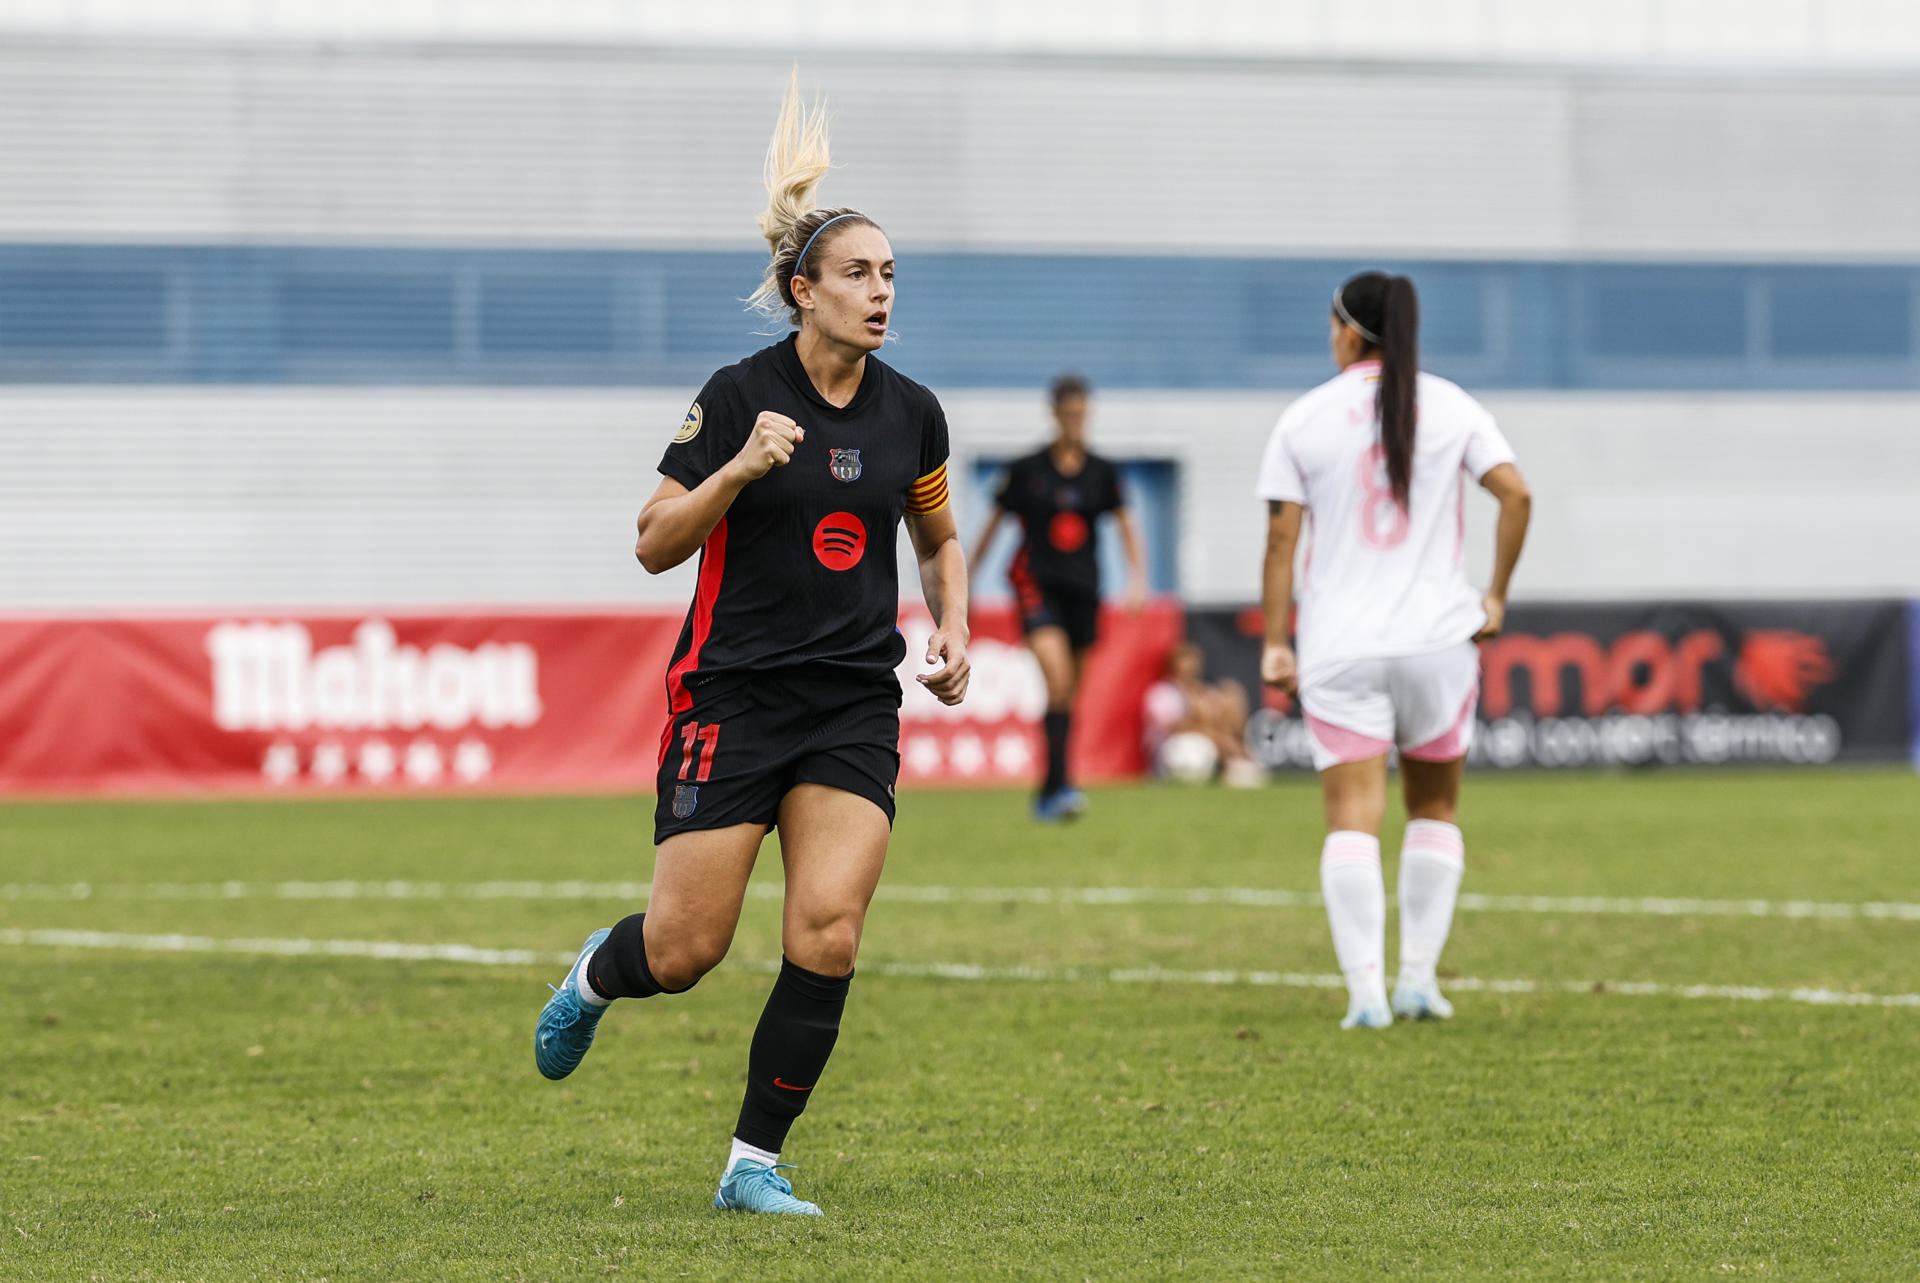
[[929, 493]]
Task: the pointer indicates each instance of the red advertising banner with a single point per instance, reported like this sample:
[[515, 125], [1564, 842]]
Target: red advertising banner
[[994, 736], [424, 702], [322, 702]]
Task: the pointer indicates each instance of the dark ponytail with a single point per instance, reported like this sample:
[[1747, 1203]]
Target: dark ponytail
[[1384, 310]]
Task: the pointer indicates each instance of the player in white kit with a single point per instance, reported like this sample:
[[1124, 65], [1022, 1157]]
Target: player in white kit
[[1379, 457]]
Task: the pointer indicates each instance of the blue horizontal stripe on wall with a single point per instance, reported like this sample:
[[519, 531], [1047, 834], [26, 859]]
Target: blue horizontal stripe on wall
[[154, 314]]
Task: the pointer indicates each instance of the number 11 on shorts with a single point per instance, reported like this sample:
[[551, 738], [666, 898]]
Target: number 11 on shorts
[[707, 738]]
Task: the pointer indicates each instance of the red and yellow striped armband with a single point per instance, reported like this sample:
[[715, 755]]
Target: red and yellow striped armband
[[929, 493]]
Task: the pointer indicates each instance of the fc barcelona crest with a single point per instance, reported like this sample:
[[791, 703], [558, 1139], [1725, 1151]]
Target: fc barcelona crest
[[685, 798], [844, 464]]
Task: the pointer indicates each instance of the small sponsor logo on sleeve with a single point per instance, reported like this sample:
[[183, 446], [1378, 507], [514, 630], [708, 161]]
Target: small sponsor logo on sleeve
[[690, 426]]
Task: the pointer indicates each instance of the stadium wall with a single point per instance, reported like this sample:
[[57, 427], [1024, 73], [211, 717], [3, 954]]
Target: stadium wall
[[1619, 263], [178, 497], [411, 317], [446, 145]]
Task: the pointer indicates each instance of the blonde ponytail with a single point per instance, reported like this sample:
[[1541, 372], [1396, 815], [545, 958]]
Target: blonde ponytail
[[797, 159]]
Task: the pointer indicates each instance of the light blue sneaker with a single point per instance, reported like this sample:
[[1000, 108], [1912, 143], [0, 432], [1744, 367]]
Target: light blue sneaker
[[755, 1187], [566, 1024], [1420, 1000], [1368, 1013], [1064, 805]]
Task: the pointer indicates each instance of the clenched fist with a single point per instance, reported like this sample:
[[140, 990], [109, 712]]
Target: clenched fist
[[769, 446]]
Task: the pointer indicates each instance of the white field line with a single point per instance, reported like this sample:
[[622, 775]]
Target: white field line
[[1246, 897], [475, 956], [387, 949]]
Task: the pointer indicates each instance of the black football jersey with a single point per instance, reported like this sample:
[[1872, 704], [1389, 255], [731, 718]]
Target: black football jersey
[[801, 576], [1057, 513]]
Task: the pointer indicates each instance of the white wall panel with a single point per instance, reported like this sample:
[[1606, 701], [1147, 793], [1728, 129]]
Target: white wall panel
[[1244, 158], [1871, 33], [1751, 170], [97, 144], [515, 146], [233, 497]]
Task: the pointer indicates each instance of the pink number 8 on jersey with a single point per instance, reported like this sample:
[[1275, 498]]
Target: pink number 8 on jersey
[[1383, 522]]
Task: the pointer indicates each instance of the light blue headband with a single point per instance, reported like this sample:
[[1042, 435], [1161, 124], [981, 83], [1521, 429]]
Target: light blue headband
[[798, 263]]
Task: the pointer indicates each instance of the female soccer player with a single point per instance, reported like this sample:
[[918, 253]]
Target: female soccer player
[[1058, 492], [790, 475], [1379, 456]]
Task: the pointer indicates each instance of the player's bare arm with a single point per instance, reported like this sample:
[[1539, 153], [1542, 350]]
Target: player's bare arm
[[943, 579], [995, 516], [676, 521], [1505, 484], [1278, 666], [1136, 558]]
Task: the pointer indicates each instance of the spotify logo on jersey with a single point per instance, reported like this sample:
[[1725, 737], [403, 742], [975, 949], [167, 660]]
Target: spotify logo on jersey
[[1067, 531], [839, 541]]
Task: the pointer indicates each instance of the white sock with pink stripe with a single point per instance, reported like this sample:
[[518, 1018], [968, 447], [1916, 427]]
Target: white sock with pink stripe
[[1432, 859], [1356, 897]]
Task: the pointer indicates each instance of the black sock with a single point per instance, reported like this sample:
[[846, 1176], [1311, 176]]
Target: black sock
[[791, 1044], [1058, 725], [618, 968]]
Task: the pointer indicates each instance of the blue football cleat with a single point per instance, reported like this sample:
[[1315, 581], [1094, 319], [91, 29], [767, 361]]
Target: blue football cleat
[[755, 1187], [1067, 804], [1368, 1013], [1420, 1000], [566, 1024]]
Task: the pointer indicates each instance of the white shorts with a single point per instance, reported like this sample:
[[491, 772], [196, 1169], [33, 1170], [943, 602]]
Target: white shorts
[[1422, 704]]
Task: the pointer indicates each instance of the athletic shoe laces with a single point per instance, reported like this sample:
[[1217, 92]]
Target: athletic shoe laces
[[769, 1174], [571, 1008]]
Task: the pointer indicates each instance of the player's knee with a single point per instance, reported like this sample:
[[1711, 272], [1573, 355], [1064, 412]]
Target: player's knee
[[680, 962], [826, 946], [834, 951]]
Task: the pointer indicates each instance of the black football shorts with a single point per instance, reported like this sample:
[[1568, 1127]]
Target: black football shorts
[[745, 742], [1076, 614]]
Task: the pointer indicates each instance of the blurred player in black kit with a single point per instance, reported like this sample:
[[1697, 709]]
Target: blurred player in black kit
[[790, 476], [1058, 493]]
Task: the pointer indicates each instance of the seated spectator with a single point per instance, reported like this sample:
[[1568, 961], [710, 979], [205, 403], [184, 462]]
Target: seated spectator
[[1196, 728]]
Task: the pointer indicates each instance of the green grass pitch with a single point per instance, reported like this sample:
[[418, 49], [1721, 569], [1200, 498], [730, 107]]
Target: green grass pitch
[[175, 1115]]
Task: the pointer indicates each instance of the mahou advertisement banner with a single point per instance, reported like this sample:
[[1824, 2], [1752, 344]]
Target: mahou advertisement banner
[[318, 702], [1781, 683], [534, 702]]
